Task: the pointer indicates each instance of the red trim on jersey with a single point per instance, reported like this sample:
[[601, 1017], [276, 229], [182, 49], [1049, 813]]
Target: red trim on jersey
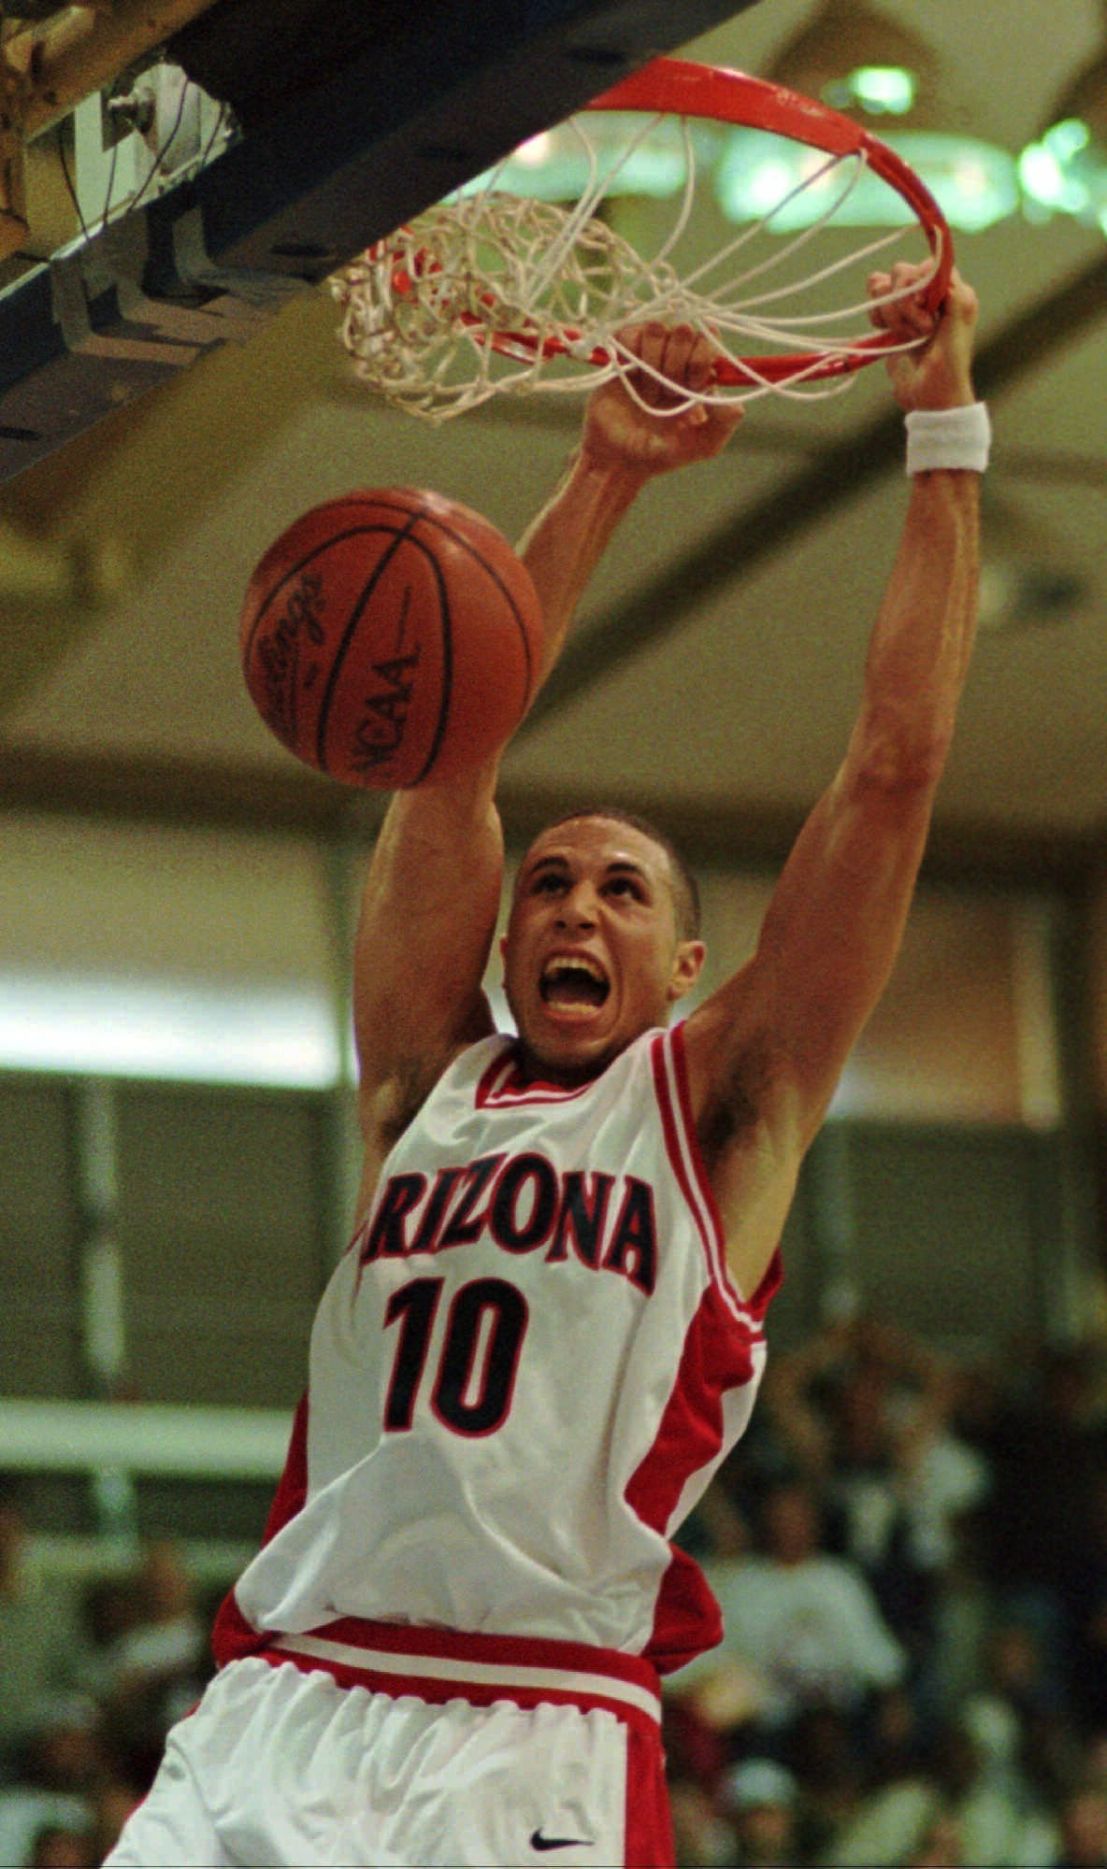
[[499, 1069], [291, 1491], [771, 1280], [692, 1144], [717, 1357], [695, 1176], [505, 1086], [233, 1636], [682, 1149], [436, 1693]]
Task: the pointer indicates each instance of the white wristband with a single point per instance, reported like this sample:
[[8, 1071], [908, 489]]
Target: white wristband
[[958, 437]]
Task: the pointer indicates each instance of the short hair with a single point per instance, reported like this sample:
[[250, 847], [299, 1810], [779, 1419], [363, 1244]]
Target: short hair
[[686, 894]]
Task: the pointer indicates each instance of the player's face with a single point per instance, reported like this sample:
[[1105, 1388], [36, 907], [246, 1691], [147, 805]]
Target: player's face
[[592, 956]]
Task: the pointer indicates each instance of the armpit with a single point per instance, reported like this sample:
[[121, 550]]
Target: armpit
[[398, 1102], [736, 1104]]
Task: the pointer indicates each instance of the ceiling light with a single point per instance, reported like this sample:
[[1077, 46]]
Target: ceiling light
[[974, 183], [861, 61], [871, 68], [1065, 171], [879, 90], [631, 155], [865, 63]]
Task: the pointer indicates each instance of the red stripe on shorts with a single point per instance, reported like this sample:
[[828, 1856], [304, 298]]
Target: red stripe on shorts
[[438, 1665]]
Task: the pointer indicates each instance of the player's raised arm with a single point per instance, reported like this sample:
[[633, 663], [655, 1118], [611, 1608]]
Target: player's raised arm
[[766, 1051], [622, 446], [432, 894]]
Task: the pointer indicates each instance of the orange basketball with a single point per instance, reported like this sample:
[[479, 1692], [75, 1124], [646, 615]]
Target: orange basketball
[[391, 636]]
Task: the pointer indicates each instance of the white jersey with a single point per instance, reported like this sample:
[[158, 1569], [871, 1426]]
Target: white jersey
[[523, 1374]]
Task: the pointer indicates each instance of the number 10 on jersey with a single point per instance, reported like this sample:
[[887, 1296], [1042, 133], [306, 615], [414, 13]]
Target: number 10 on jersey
[[476, 1365]]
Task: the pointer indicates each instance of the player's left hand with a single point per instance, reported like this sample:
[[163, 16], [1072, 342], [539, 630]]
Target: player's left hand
[[937, 372], [619, 432]]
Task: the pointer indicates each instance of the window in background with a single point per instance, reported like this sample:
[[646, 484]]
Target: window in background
[[40, 1323], [171, 953], [965, 1031], [223, 1224]]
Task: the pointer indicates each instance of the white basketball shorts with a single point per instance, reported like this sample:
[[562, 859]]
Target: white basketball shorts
[[377, 1744]]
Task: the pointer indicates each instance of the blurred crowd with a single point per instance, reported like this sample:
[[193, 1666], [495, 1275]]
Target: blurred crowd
[[911, 1558], [92, 1675]]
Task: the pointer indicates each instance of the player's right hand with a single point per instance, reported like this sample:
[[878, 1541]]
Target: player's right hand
[[619, 432]]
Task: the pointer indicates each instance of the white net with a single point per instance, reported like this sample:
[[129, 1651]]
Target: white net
[[494, 292]]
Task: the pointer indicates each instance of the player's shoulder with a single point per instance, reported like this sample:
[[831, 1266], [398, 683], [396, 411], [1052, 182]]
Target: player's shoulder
[[414, 1082], [388, 1112]]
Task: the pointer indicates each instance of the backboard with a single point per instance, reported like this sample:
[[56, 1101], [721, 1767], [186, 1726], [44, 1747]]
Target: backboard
[[329, 124]]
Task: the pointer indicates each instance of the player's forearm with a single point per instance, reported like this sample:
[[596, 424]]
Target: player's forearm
[[427, 918], [437, 864], [566, 541], [921, 644]]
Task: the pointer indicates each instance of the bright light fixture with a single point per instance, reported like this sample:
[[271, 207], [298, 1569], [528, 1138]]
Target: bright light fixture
[[759, 176], [974, 183], [1066, 172], [880, 90], [185, 1033], [638, 157]]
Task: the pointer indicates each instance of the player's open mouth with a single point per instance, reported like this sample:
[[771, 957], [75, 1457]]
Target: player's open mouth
[[573, 981]]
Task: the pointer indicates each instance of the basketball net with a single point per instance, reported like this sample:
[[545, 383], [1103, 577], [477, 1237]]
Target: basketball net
[[494, 293]]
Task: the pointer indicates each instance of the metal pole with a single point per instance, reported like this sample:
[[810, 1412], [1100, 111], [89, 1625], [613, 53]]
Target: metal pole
[[100, 1271]]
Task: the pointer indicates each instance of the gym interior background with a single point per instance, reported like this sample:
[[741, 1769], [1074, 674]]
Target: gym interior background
[[177, 1144]]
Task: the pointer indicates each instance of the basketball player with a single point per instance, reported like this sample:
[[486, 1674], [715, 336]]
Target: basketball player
[[547, 1331]]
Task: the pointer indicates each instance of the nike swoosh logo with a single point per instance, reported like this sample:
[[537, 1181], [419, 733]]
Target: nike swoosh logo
[[539, 1842]]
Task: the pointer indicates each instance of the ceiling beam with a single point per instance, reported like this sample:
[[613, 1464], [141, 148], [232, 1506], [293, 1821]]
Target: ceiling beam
[[288, 800], [805, 498]]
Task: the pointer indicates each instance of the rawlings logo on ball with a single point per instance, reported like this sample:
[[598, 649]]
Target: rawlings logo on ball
[[391, 636], [279, 655]]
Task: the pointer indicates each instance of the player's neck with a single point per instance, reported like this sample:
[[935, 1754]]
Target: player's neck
[[533, 1069]]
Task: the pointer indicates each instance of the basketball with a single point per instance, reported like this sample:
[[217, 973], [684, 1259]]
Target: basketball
[[391, 636]]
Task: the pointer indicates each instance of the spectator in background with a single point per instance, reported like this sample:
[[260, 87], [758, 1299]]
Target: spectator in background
[[801, 1630], [832, 1773], [166, 1635], [1083, 1826], [702, 1837], [1019, 1692], [760, 1797], [805, 1620], [942, 1847], [114, 1803], [57, 1775], [38, 1626], [946, 1808], [864, 1412], [109, 1610], [155, 1666], [1047, 1448]]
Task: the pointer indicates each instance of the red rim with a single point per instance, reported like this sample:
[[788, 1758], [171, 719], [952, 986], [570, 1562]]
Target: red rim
[[679, 87]]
